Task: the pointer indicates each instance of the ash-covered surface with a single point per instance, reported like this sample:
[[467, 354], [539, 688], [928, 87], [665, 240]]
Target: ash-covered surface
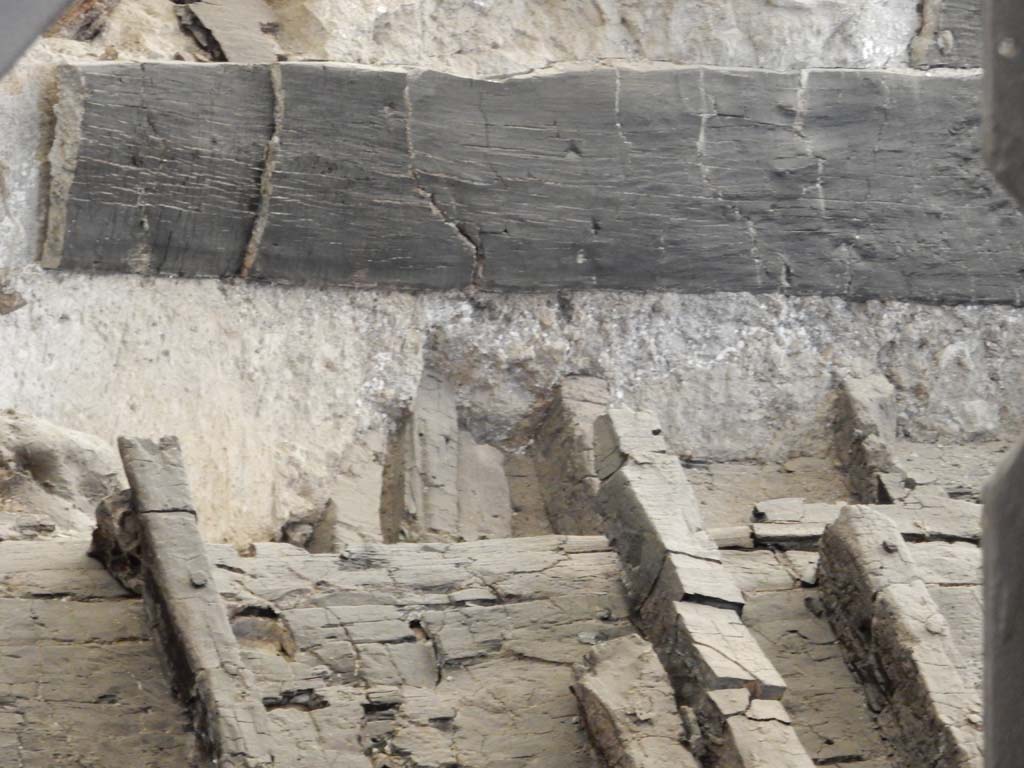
[[435, 653]]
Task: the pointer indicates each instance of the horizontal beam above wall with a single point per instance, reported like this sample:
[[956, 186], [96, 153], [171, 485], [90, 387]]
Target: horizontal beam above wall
[[854, 183]]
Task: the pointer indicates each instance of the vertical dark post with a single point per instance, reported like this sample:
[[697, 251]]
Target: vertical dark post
[[1003, 534], [1002, 537], [1004, 93]]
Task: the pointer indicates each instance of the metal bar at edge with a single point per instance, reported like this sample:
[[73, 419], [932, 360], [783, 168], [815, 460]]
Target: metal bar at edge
[[21, 22]]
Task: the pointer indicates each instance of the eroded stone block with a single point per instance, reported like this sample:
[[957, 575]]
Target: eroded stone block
[[898, 639], [421, 501], [240, 31], [629, 706], [762, 738], [866, 431], [485, 509], [713, 650], [565, 455], [648, 512]]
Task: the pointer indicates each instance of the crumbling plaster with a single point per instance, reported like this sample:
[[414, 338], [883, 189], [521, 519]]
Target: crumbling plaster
[[272, 388], [487, 37]]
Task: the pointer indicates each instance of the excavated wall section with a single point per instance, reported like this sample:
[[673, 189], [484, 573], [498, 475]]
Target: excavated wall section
[[278, 392]]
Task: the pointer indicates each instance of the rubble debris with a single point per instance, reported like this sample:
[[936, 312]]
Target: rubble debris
[[10, 299], [240, 31], [84, 20], [345, 507], [629, 707], [116, 540]]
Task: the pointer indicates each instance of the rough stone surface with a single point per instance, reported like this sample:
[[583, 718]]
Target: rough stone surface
[[754, 741], [437, 653], [51, 479], [865, 431], [787, 194], [347, 508], [713, 650], [241, 31], [962, 608], [629, 706], [564, 454], [941, 563], [440, 484], [828, 707], [940, 469], [422, 501], [80, 678]]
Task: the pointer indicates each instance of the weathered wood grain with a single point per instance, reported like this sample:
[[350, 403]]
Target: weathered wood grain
[[344, 204], [156, 167], [861, 184]]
